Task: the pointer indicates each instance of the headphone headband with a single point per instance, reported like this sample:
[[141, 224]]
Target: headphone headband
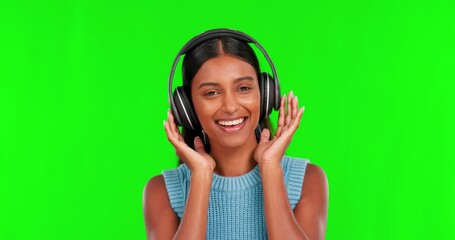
[[215, 33]]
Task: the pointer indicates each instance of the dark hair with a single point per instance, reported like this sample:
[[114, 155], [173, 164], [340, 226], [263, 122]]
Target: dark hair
[[205, 51]]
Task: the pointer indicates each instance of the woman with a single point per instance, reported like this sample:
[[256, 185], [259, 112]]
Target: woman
[[236, 184]]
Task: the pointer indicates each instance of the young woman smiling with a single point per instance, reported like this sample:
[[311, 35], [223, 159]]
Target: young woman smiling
[[236, 184]]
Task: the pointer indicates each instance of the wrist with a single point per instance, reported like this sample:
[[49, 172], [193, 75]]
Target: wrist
[[269, 166], [202, 169], [202, 176]]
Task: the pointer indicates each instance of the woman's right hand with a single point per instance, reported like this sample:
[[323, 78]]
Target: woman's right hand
[[197, 160]]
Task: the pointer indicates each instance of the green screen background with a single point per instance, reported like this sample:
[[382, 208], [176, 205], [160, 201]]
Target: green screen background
[[83, 95]]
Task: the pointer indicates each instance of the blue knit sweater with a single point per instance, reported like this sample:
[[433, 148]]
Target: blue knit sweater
[[236, 204]]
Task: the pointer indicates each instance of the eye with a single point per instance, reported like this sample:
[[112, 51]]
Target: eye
[[210, 93], [244, 88]]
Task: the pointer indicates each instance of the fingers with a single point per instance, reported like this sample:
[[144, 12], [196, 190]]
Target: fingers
[[289, 108], [198, 145], [170, 118], [296, 121], [173, 127], [265, 135], [288, 132], [171, 122], [170, 135], [173, 133], [289, 115], [295, 105]]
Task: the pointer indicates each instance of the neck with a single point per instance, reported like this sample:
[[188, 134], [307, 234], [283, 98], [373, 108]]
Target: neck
[[236, 161]]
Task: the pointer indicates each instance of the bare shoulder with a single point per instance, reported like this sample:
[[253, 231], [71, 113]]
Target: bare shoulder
[[155, 197], [155, 187], [315, 181], [312, 209], [160, 219]]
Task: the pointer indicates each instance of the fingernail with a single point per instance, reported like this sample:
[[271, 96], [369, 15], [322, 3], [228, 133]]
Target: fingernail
[[296, 98], [164, 122], [292, 93]]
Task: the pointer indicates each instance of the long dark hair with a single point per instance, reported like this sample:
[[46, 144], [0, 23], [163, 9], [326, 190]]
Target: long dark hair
[[205, 51]]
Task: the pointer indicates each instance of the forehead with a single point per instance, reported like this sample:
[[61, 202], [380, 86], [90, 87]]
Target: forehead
[[224, 68]]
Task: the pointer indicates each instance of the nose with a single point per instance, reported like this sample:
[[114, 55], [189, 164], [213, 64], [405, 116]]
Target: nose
[[230, 103]]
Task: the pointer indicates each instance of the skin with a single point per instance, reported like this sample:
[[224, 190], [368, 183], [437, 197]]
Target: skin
[[226, 87]]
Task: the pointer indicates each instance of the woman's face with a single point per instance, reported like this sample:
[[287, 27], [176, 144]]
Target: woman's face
[[225, 95]]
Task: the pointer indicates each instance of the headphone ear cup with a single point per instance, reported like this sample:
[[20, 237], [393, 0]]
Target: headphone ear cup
[[262, 97], [277, 95], [267, 85], [176, 115], [184, 110]]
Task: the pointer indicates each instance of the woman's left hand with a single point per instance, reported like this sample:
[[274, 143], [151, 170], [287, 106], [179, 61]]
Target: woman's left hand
[[272, 151]]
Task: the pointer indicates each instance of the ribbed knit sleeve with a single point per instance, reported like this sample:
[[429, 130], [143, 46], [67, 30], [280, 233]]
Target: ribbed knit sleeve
[[177, 181], [294, 173]]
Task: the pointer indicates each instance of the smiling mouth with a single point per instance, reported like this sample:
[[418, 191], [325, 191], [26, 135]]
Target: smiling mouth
[[231, 123]]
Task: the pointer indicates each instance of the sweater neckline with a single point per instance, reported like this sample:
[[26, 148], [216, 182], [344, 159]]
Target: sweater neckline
[[231, 184]]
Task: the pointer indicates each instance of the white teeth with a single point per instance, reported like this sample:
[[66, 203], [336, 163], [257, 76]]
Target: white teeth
[[231, 123]]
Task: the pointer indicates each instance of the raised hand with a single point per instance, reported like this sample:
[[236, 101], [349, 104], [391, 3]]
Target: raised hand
[[197, 160], [272, 151]]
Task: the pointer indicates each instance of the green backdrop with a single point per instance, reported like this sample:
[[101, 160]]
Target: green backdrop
[[83, 95]]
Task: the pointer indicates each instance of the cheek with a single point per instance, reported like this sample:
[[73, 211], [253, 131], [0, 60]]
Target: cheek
[[203, 109], [252, 102], [196, 106]]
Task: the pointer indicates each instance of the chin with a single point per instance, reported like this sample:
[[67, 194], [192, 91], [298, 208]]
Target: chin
[[234, 141]]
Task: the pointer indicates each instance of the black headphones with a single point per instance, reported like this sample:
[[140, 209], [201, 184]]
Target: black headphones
[[181, 106]]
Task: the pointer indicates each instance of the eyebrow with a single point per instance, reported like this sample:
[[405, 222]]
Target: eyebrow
[[249, 78]]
